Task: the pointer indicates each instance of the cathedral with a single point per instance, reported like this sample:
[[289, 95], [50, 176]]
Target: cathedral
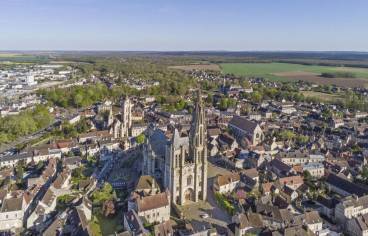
[[181, 162], [120, 126]]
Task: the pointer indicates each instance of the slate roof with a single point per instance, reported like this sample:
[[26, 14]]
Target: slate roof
[[346, 185], [279, 165], [158, 142], [243, 124]]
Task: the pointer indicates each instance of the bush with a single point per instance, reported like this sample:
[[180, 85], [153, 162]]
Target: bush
[[103, 194], [224, 203]]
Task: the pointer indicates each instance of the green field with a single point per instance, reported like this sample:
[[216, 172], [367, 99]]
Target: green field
[[325, 97], [20, 58], [268, 70]]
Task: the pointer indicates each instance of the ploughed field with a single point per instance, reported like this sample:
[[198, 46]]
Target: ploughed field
[[325, 75]]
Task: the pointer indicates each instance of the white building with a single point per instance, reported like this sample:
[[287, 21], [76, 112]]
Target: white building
[[12, 213], [226, 183], [317, 170], [154, 208]]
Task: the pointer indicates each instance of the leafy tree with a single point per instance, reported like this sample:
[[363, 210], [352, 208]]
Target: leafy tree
[[140, 138], [364, 173], [302, 139], [103, 194], [286, 135]]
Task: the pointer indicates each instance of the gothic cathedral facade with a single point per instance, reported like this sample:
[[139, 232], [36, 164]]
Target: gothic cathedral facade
[[183, 168]]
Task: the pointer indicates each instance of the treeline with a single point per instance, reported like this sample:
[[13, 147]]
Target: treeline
[[27, 122], [354, 102], [338, 74], [172, 82]]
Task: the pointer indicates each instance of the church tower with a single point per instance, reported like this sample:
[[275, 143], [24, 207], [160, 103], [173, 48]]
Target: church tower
[[198, 148], [126, 118]]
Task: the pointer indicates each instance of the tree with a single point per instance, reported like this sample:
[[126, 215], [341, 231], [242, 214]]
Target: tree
[[302, 139], [307, 176], [364, 173], [140, 138], [256, 96], [286, 135], [103, 194]]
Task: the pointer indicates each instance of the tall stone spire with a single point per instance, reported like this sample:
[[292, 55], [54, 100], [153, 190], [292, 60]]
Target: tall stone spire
[[197, 132], [126, 117], [198, 147]]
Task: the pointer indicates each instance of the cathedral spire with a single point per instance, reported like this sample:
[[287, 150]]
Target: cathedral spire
[[198, 128]]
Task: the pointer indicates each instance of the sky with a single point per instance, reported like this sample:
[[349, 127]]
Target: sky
[[184, 25]]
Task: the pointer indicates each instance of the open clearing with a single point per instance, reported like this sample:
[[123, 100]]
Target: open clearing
[[322, 96], [212, 67], [292, 72]]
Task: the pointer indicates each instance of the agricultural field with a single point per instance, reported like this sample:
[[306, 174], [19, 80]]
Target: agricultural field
[[206, 67], [292, 72], [325, 97], [21, 58]]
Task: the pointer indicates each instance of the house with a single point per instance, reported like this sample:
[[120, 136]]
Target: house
[[94, 136], [74, 119], [242, 223], [244, 128], [154, 208], [313, 221], [280, 168], [251, 159], [138, 129], [336, 123], [62, 180], [163, 229], [226, 142], [213, 132], [350, 207], [226, 183], [199, 228], [268, 188], [327, 206], [250, 177], [289, 193], [316, 170], [12, 160], [299, 158], [344, 187], [12, 213], [293, 182], [358, 226], [72, 162]]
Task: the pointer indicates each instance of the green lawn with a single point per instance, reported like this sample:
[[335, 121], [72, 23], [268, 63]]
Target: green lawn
[[267, 70], [106, 226]]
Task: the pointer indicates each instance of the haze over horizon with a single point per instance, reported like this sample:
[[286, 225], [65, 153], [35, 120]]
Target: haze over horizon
[[163, 25]]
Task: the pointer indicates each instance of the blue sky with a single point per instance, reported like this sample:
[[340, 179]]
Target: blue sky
[[238, 25]]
